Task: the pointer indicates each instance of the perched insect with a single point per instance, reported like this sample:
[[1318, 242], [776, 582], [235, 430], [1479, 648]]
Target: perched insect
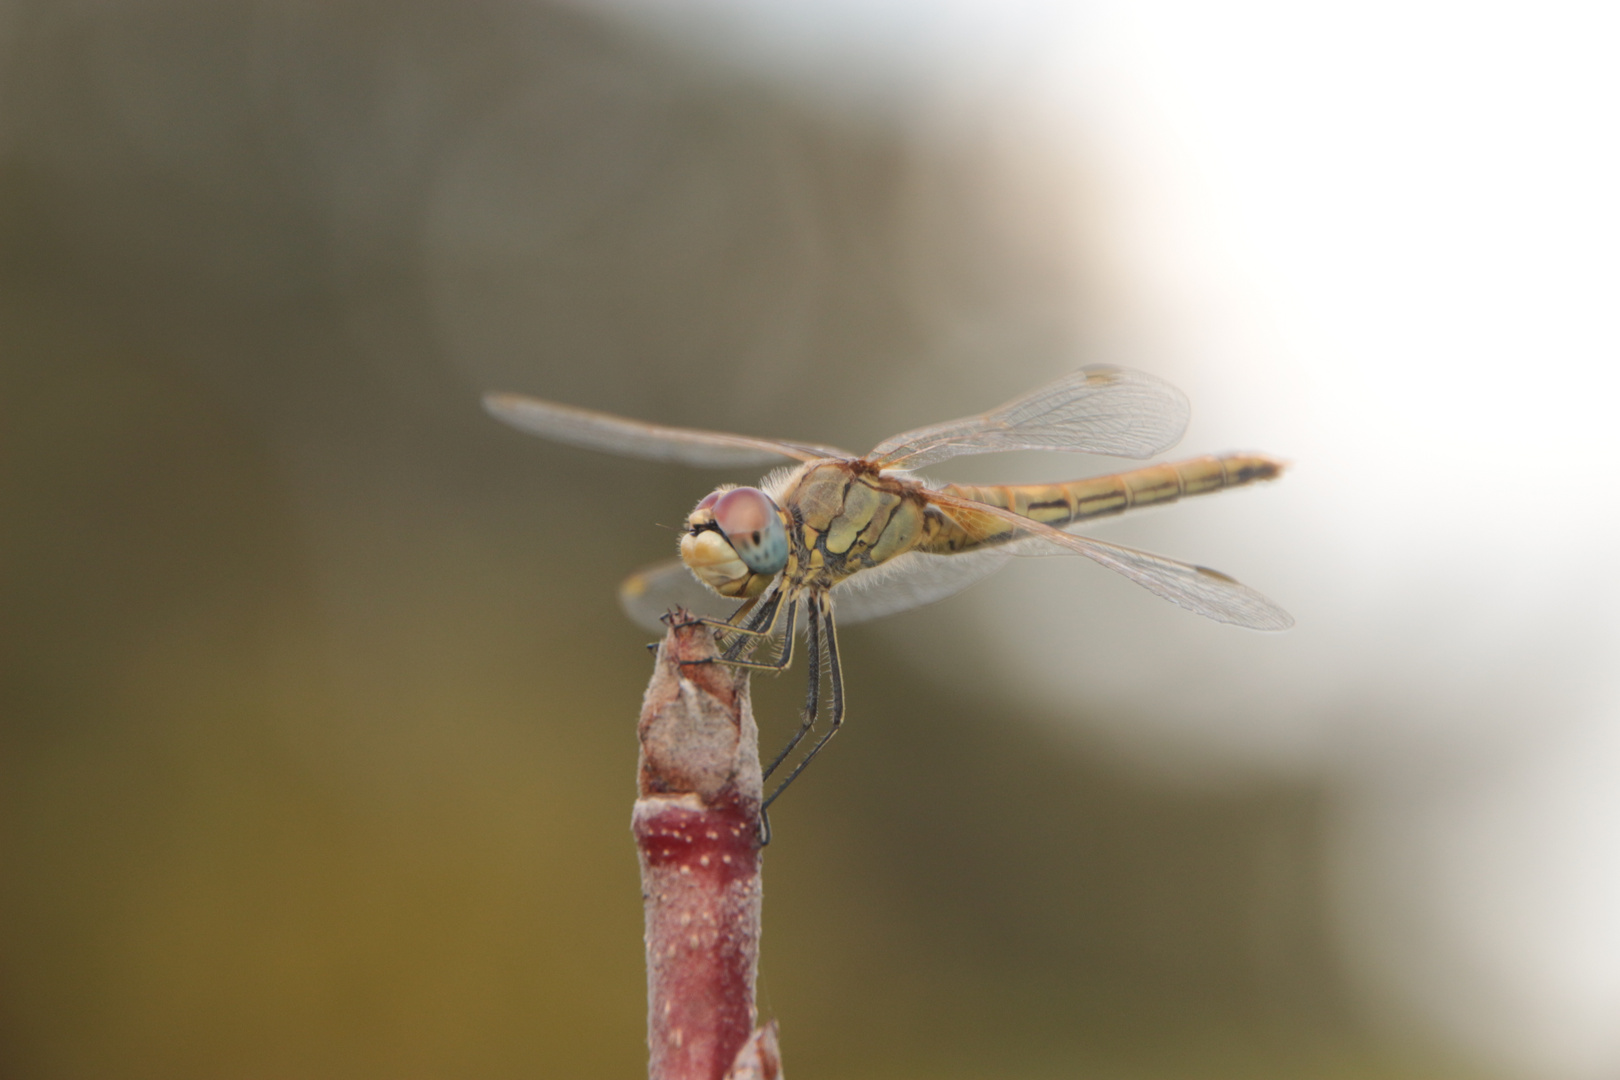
[[865, 537]]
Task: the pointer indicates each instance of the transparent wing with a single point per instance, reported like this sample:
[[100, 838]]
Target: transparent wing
[[653, 590], [908, 581], [1097, 410], [912, 580], [1199, 589], [633, 438]]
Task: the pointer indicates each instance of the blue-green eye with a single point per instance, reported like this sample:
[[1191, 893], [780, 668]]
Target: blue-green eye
[[753, 525]]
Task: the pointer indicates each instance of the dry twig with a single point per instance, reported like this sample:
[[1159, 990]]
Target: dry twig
[[696, 826]]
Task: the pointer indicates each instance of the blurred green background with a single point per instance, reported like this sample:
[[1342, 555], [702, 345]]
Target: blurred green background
[[316, 711]]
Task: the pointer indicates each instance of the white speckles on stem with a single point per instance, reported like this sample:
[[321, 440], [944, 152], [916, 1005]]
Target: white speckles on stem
[[700, 793]]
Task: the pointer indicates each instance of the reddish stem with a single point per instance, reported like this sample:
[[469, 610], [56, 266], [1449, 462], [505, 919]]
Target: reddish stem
[[697, 830]]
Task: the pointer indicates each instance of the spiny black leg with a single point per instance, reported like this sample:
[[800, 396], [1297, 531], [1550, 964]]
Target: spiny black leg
[[836, 675], [763, 615], [781, 662], [812, 703]]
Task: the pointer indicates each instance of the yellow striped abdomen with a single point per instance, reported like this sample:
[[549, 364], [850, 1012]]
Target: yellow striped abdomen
[[1060, 505]]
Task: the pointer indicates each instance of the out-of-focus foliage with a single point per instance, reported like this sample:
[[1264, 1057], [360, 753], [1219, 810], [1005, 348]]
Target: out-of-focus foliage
[[316, 715]]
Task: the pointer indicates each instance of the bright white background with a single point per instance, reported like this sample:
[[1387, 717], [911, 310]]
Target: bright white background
[[1378, 240]]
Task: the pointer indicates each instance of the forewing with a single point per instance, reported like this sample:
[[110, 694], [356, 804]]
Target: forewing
[[1098, 410], [634, 438], [1197, 588], [907, 581], [650, 592]]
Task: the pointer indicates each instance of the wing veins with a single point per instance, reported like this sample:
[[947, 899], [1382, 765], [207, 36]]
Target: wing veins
[[1199, 589], [602, 431], [1099, 409]]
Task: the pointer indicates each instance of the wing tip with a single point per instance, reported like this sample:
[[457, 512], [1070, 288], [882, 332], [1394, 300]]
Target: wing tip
[[632, 593], [503, 405], [1277, 621], [1267, 616], [633, 587]]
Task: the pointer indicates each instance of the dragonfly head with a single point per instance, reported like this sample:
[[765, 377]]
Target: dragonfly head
[[735, 541]]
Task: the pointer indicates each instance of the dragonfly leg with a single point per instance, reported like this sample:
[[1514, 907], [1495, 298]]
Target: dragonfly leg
[[744, 623], [748, 630], [781, 662], [735, 622], [764, 828], [749, 627], [735, 618], [812, 702], [835, 674]]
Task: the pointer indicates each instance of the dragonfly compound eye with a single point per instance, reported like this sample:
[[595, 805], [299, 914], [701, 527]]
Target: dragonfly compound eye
[[753, 525]]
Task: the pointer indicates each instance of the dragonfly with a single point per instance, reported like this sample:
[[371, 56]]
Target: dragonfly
[[832, 537]]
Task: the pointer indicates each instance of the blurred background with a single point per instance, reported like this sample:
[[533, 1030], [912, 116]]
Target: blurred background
[[316, 709]]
